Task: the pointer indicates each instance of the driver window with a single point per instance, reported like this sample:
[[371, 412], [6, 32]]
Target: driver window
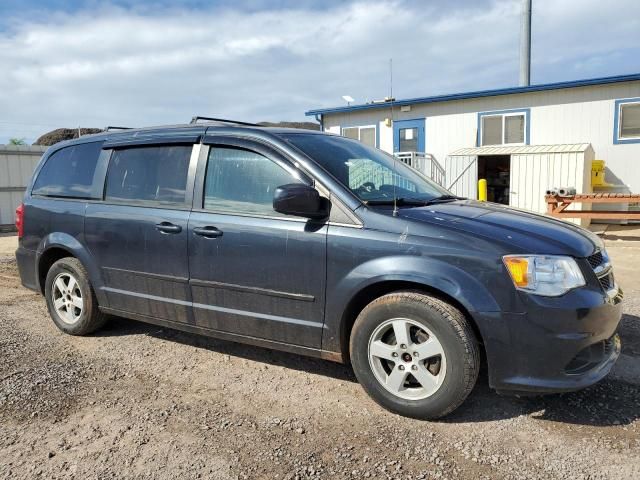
[[242, 181]]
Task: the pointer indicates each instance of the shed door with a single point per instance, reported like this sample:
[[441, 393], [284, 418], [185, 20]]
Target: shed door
[[528, 175], [462, 175], [532, 174]]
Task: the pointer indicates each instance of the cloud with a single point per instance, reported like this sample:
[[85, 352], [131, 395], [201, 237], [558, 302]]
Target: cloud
[[105, 64]]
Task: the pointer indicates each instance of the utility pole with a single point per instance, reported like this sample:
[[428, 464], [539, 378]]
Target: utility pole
[[525, 44]]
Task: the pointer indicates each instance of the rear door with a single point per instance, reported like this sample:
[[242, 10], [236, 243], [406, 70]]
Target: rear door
[[254, 272], [138, 233]]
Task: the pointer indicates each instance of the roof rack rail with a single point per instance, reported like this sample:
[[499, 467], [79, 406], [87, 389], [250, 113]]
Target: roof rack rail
[[197, 118], [108, 128]]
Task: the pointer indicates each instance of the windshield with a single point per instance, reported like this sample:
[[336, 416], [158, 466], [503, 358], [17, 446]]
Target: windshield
[[371, 174]]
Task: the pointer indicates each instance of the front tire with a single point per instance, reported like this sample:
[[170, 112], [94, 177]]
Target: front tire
[[70, 298], [414, 354]]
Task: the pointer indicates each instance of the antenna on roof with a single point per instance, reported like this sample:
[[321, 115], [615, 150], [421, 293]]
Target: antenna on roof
[[395, 159], [197, 118]]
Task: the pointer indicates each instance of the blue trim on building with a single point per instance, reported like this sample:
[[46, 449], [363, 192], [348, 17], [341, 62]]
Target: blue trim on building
[[482, 93], [418, 123], [616, 114], [527, 123]]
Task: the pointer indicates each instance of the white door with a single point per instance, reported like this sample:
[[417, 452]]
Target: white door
[[462, 175]]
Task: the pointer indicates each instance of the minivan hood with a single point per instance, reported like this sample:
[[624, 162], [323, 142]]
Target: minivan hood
[[527, 231]]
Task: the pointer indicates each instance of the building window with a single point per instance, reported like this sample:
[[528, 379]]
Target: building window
[[503, 128], [366, 135], [627, 121], [408, 139]]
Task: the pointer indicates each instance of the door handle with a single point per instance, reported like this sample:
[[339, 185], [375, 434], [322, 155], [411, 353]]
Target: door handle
[[167, 227], [207, 232]]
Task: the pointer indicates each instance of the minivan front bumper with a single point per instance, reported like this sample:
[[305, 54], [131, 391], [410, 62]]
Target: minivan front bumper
[[560, 344]]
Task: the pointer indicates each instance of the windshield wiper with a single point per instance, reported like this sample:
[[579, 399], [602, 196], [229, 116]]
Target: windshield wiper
[[401, 201], [443, 199]]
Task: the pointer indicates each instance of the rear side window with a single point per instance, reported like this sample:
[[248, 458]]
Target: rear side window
[[242, 181], [69, 172], [149, 174]]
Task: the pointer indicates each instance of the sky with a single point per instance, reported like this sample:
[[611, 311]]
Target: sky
[[91, 63]]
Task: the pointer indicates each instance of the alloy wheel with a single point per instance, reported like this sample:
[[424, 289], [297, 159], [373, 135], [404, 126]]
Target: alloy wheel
[[407, 359], [67, 298]]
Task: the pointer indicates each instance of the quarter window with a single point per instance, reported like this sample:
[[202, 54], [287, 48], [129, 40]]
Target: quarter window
[[366, 135], [503, 129], [242, 181], [630, 120], [69, 172], [149, 174]]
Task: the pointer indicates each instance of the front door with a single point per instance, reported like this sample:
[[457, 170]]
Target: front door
[[254, 272], [408, 135], [138, 234]]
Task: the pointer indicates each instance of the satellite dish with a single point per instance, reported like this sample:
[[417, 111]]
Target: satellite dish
[[348, 99]]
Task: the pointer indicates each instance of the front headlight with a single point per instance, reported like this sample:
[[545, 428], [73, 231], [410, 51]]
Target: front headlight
[[548, 275]]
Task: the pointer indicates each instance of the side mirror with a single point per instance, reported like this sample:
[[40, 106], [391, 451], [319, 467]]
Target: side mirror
[[300, 200]]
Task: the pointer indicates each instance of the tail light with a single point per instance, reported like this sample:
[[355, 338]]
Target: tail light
[[20, 220]]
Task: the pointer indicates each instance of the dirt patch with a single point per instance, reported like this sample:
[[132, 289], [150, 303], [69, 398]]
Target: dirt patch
[[138, 401]]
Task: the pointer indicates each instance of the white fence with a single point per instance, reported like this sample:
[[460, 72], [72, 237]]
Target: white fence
[[17, 163]]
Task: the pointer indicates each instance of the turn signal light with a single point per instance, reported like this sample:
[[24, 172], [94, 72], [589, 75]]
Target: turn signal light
[[518, 268]]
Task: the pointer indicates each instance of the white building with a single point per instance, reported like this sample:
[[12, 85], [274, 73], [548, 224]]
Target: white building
[[536, 137]]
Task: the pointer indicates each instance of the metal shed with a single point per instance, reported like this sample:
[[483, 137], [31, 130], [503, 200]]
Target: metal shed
[[17, 163], [532, 170]]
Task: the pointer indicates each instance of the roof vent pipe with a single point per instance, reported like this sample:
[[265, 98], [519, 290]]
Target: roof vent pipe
[[525, 44]]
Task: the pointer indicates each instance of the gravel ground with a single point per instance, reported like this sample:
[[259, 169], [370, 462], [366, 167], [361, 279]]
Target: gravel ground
[[139, 401]]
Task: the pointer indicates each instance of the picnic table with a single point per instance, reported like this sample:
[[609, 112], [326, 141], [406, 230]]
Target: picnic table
[[557, 205]]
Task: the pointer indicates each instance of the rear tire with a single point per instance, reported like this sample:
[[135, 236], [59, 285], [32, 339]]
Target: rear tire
[[70, 298], [414, 354]]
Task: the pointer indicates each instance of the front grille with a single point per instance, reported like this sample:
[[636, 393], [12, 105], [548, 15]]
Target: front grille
[[596, 259], [599, 262], [606, 281]]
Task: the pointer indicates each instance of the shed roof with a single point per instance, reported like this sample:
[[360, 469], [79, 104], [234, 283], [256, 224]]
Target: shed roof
[[522, 149], [481, 93]]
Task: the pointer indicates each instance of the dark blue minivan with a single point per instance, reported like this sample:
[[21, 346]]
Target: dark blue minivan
[[317, 244]]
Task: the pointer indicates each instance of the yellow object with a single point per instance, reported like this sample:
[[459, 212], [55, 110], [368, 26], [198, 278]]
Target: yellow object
[[387, 122], [482, 190], [518, 269], [597, 173]]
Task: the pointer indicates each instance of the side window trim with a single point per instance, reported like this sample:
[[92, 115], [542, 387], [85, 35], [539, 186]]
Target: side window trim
[[219, 162], [189, 188], [222, 141], [94, 192], [259, 148], [269, 152]]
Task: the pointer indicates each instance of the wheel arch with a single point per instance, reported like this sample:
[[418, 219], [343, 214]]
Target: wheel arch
[[46, 261], [60, 245], [384, 287]]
